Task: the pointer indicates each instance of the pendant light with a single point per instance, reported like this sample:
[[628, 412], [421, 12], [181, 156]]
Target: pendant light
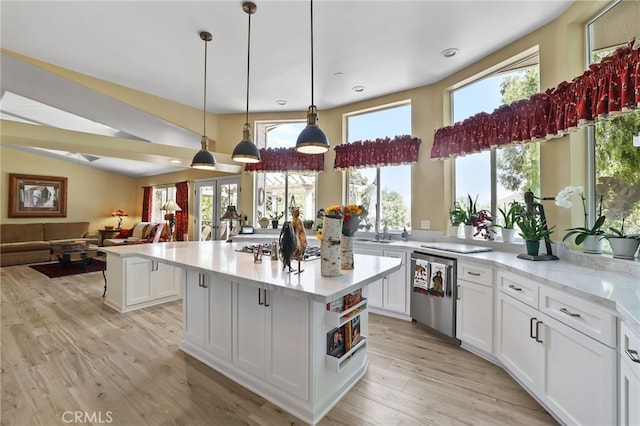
[[312, 140], [204, 159], [246, 151]]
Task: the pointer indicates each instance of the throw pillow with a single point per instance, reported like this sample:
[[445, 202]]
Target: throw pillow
[[125, 233]]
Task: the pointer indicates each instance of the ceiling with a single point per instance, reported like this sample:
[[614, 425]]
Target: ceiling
[[154, 47]]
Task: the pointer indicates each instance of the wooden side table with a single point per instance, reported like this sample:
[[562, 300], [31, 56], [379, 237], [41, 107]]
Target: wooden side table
[[107, 233]]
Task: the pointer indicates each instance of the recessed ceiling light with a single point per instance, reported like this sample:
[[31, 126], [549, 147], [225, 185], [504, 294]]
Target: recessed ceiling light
[[358, 89], [175, 161], [449, 53], [281, 102]]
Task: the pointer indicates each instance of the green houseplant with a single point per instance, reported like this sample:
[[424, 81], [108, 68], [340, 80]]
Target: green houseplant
[[532, 230], [509, 217], [590, 237], [623, 246]]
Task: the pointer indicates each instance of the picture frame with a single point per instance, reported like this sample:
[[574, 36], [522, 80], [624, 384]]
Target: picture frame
[[37, 196]]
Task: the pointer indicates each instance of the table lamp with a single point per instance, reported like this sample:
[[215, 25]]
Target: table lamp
[[170, 207], [230, 215], [119, 214]]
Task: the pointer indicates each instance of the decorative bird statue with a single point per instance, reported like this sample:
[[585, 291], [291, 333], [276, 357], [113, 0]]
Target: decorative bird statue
[[293, 242]]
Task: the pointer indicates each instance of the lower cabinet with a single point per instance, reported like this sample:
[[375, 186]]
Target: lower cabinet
[[629, 377], [390, 293], [271, 338], [474, 307], [571, 373]]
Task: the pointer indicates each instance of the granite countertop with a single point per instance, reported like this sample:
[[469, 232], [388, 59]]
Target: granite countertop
[[223, 258]]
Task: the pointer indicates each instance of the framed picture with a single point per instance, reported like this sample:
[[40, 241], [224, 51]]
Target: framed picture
[[37, 196]]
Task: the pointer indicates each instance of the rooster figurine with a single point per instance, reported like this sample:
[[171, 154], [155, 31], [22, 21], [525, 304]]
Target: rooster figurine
[[293, 242]]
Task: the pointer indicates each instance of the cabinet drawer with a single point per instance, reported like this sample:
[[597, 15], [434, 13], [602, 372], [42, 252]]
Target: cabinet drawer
[[478, 274], [630, 348], [580, 314], [523, 289]]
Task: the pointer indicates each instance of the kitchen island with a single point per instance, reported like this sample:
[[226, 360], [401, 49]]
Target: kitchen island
[[262, 326]]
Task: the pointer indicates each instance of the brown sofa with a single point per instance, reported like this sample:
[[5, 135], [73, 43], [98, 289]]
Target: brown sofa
[[22, 243]]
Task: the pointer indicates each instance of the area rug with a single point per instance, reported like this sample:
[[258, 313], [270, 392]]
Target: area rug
[[56, 269]]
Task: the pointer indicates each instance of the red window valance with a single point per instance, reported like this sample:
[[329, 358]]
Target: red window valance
[[606, 89], [380, 152], [286, 159]]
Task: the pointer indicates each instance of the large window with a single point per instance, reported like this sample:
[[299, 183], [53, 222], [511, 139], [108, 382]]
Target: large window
[[498, 176], [392, 184], [277, 194], [615, 169], [161, 194]]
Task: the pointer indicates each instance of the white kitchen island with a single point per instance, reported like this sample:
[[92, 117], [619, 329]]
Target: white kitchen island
[[263, 327]]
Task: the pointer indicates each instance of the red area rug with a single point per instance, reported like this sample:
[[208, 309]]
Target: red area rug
[[56, 269]]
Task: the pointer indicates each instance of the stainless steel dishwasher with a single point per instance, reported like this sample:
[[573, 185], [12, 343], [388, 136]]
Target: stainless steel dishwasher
[[434, 292]]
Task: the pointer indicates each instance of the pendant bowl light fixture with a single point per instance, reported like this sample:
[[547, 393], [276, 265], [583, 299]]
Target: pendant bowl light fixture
[[204, 158], [246, 151], [312, 139]]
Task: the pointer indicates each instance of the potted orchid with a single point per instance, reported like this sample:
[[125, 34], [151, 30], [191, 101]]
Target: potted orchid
[[589, 237], [623, 246]]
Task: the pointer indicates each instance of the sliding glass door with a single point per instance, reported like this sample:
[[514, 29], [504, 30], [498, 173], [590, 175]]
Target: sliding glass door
[[212, 197]]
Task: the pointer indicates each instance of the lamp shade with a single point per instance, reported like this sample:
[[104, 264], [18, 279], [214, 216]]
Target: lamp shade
[[312, 140], [231, 213], [203, 160], [246, 151], [119, 213], [171, 206]]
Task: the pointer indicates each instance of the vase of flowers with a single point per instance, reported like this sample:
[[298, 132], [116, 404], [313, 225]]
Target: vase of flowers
[[351, 215], [330, 245], [589, 237]]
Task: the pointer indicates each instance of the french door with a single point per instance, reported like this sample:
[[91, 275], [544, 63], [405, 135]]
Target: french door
[[213, 196]]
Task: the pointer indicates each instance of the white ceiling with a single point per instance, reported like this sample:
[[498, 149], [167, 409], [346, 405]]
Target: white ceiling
[[154, 47]]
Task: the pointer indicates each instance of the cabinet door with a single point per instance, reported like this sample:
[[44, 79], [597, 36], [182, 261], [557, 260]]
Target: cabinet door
[[584, 365], [163, 280], [629, 393], [249, 315], [287, 346], [195, 298], [520, 354], [375, 291], [219, 325], [475, 315], [138, 282], [395, 285]]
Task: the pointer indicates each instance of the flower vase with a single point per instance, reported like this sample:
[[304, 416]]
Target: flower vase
[[330, 247], [346, 252], [469, 230], [592, 244], [507, 235]]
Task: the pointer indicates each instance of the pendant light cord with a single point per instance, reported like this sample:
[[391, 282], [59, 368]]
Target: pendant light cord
[[248, 61], [204, 108], [312, 102]]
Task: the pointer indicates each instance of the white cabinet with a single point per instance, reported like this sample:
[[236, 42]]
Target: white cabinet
[[136, 282], [568, 371], [389, 294], [207, 322], [629, 377], [474, 308], [271, 338]]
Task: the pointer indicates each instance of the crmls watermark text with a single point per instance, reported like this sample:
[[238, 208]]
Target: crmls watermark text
[[87, 417]]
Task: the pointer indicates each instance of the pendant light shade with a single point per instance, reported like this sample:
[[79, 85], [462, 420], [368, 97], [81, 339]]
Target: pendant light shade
[[312, 139], [246, 151], [204, 158]]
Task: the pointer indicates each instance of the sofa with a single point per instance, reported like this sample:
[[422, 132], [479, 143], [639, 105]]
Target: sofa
[[22, 243], [140, 233]]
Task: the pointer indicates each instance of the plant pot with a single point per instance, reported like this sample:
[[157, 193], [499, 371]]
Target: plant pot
[[592, 244], [453, 230], [469, 230], [624, 248], [533, 247], [508, 234], [274, 224]]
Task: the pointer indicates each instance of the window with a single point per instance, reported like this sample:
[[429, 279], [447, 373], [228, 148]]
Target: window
[[161, 194], [498, 176], [390, 184], [614, 172], [277, 193]]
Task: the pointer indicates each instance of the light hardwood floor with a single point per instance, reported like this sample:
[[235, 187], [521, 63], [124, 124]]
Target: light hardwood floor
[[63, 351]]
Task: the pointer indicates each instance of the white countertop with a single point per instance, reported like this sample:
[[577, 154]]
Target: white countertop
[[221, 257]]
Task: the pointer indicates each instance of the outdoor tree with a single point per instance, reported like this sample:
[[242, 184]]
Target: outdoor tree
[[396, 213]]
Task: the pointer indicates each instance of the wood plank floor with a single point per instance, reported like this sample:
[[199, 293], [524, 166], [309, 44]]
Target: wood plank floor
[[63, 351]]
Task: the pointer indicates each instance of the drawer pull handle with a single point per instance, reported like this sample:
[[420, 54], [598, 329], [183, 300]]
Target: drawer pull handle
[[475, 274], [260, 302], [571, 314], [531, 327], [511, 286], [458, 292], [633, 355], [538, 331], [265, 299]]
